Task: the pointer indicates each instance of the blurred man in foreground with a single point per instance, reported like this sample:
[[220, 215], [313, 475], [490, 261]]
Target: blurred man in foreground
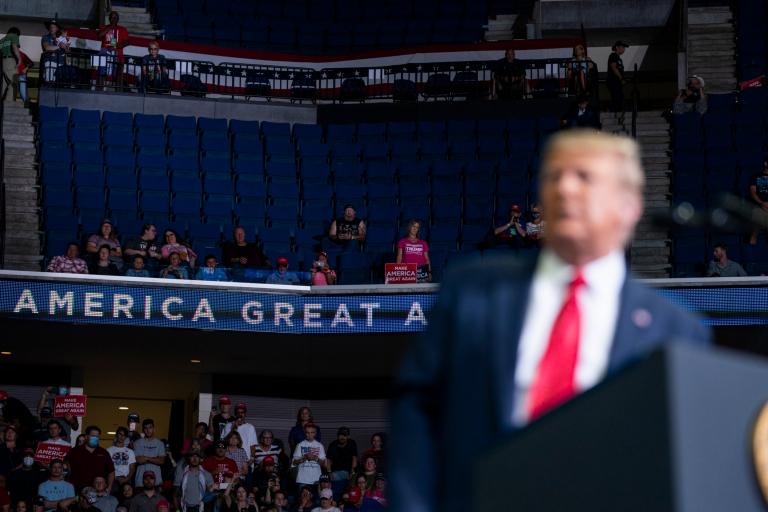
[[524, 336]]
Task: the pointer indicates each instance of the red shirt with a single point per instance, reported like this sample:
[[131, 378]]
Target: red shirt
[[5, 499], [114, 38], [85, 465], [216, 466]]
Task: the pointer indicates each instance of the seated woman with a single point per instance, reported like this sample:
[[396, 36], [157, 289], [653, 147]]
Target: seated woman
[[322, 273], [582, 72], [154, 70], [174, 244], [103, 266], [174, 270], [692, 98], [106, 236]]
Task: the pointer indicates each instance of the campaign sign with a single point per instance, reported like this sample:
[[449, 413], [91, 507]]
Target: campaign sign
[[400, 273], [69, 404], [46, 452]]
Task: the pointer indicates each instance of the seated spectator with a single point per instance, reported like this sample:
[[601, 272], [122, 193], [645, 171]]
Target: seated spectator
[[347, 227], [413, 249], [326, 502], [86, 501], [103, 265], [243, 254], [353, 497], [280, 503], [368, 469], [211, 271], [582, 73], [281, 275], [758, 192], [24, 480], [535, 228], [582, 115], [57, 493], [174, 244], [306, 500], [378, 441], [721, 266], [692, 98], [174, 270], [379, 491], [513, 232], [105, 502], [508, 77], [69, 263], [126, 494], [269, 488], [322, 273], [323, 484], [144, 245], [137, 269], [240, 502], [154, 70], [105, 236]]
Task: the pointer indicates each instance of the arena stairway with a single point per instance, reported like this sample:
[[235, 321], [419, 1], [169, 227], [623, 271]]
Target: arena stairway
[[712, 47], [650, 249], [22, 249]]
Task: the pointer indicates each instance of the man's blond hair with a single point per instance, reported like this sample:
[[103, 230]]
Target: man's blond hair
[[624, 148]]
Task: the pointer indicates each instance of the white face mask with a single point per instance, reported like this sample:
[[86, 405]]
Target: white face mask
[[321, 264], [28, 461]]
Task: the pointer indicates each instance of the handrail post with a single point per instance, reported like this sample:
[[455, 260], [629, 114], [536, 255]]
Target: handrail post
[[635, 94]]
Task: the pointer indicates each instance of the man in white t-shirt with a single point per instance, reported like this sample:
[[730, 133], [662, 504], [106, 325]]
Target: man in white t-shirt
[[309, 456], [123, 457], [54, 434], [326, 502], [246, 430]]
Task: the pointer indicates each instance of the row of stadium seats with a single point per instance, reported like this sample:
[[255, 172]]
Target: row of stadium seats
[[713, 154], [307, 27], [287, 197]]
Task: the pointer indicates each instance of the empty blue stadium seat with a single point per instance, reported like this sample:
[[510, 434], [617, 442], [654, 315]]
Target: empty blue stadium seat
[[83, 118], [181, 124]]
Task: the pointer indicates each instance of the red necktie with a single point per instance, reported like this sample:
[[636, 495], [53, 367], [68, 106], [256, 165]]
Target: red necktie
[[554, 380]]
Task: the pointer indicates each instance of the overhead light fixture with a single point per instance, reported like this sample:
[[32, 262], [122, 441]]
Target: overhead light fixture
[[122, 408], [6, 353], [111, 433], [194, 361]]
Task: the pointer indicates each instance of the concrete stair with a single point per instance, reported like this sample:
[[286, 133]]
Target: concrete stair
[[138, 21], [22, 248], [650, 248], [500, 27], [712, 47]]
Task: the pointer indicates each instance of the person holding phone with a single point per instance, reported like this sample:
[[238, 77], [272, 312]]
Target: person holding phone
[[240, 502]]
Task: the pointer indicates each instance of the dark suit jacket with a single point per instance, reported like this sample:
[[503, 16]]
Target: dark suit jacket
[[455, 392]]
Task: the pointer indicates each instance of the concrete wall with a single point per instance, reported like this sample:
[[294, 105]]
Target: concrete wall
[[62, 9], [570, 14], [180, 105]]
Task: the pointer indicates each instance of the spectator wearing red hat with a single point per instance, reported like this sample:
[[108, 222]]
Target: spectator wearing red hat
[[148, 499], [281, 275], [513, 232], [219, 421], [353, 498]]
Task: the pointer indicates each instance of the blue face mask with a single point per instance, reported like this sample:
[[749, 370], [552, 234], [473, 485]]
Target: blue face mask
[[63, 391], [93, 441]]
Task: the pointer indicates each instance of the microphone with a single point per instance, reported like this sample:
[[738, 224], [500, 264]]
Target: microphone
[[730, 214]]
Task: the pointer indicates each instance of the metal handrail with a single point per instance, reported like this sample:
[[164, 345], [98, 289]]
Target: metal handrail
[[635, 101]]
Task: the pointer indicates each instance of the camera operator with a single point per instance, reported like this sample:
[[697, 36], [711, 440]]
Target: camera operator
[[692, 98]]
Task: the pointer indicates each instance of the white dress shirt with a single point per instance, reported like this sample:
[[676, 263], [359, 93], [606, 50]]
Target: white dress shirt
[[598, 305]]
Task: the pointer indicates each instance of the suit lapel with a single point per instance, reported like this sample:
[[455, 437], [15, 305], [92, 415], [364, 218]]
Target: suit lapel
[[510, 300], [628, 331]]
